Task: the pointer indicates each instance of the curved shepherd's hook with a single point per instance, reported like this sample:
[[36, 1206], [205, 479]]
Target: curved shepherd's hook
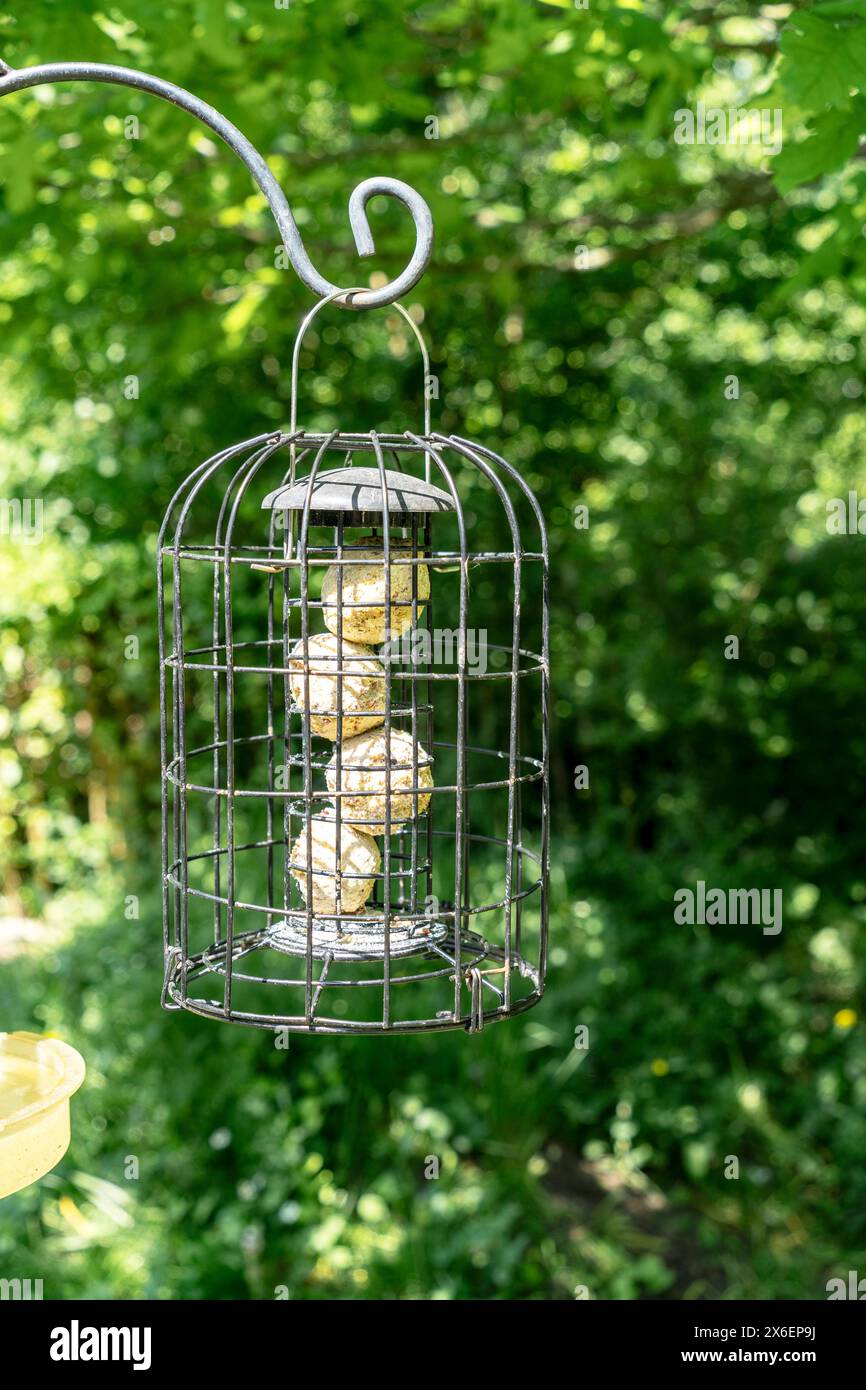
[[13, 80]]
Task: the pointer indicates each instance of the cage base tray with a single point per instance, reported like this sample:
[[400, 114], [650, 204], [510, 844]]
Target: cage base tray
[[350, 941]]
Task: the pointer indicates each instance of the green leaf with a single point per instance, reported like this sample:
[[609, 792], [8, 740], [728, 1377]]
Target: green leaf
[[834, 139], [823, 62]]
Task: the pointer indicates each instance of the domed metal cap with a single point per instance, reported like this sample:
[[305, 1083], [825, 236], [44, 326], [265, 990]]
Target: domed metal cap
[[357, 493]]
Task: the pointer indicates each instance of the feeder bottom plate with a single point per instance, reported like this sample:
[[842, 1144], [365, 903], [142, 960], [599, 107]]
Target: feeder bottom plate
[[346, 940]]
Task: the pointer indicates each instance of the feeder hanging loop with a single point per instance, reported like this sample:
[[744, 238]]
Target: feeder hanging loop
[[15, 80]]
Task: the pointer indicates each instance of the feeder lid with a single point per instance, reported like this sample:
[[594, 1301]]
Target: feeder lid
[[359, 490]]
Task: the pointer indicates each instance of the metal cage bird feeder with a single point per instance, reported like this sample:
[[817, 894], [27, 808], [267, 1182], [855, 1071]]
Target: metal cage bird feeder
[[340, 854]]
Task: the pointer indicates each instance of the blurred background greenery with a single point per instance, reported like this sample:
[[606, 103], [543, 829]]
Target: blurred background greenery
[[596, 288]]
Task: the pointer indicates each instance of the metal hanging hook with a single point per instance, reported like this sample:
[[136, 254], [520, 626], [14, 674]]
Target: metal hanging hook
[[302, 333], [15, 80]]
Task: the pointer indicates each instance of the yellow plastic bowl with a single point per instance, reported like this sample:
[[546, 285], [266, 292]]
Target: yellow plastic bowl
[[37, 1077]]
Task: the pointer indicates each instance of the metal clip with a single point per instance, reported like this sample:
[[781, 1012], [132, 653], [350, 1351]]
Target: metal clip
[[475, 982]]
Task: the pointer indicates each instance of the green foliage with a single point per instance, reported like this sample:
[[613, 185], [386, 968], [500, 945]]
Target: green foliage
[[823, 75], [825, 60], [834, 139], [596, 290]]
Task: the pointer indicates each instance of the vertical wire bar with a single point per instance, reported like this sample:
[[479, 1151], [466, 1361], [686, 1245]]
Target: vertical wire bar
[[513, 749], [271, 773], [478, 450], [545, 759], [272, 712], [217, 806], [303, 556], [169, 906], [386, 845], [243, 478], [461, 841], [461, 873], [180, 826], [338, 748], [514, 711], [247, 469], [307, 752], [230, 781], [171, 899], [430, 730], [289, 524], [192, 486], [413, 833]]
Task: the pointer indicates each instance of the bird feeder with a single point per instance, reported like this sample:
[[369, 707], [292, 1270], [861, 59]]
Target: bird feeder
[[355, 796], [37, 1077]]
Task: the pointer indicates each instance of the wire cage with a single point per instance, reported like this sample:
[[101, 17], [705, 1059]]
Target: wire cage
[[354, 778], [355, 821]]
